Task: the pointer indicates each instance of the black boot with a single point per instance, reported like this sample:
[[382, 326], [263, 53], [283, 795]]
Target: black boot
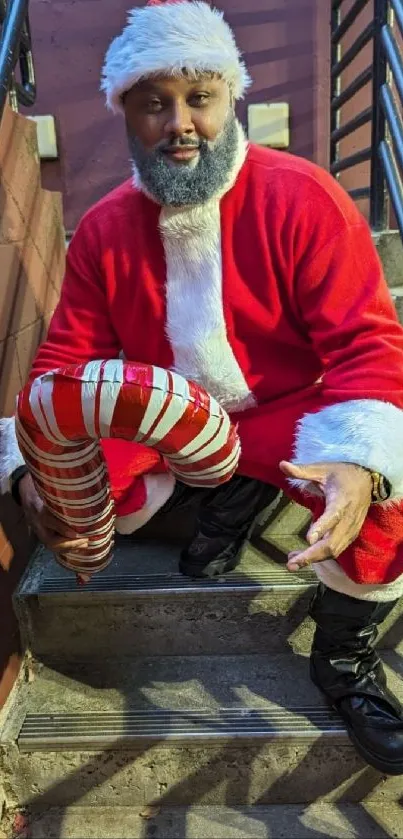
[[226, 516], [345, 666]]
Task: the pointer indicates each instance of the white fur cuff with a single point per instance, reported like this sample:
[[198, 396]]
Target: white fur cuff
[[332, 575], [159, 489], [10, 455], [367, 432]]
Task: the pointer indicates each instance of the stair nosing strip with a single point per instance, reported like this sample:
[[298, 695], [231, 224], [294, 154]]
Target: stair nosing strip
[[179, 712], [174, 584], [176, 725]]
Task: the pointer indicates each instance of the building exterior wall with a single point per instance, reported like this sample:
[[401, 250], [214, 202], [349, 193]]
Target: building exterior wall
[[32, 255]]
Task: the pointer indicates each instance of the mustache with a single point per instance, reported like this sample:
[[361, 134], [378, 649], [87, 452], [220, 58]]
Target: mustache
[[178, 143]]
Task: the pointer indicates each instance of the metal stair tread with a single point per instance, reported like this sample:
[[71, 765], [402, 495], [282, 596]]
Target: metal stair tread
[[152, 568], [131, 727], [262, 579]]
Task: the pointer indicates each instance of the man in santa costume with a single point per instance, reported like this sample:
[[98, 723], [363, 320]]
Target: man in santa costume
[[251, 272]]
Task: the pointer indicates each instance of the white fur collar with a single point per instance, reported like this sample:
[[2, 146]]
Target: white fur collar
[[196, 324]]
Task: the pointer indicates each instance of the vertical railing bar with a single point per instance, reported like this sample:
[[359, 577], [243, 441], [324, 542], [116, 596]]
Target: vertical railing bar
[[397, 8], [378, 198], [335, 85], [393, 58], [9, 41], [394, 183], [15, 47], [394, 123]]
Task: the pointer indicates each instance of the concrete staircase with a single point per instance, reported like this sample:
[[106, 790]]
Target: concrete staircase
[[154, 706]]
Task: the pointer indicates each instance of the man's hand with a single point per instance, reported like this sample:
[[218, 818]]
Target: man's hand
[[347, 492], [55, 535]]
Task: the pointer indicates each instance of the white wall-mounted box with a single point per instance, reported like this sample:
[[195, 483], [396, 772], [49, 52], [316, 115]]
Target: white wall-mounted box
[[269, 124], [47, 141]]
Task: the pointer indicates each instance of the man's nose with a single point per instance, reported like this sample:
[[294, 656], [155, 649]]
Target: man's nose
[[179, 120]]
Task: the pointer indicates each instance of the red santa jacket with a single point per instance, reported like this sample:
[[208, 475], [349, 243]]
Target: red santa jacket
[[272, 296]]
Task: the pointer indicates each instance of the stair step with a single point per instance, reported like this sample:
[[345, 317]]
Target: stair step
[[172, 730], [171, 683], [141, 605], [312, 821]]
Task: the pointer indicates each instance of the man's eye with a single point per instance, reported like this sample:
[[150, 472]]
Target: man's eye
[[153, 105], [199, 99]]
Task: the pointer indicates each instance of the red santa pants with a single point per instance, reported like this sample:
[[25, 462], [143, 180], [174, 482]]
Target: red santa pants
[[370, 568]]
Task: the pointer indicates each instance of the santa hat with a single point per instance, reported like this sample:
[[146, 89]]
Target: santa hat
[[168, 38]]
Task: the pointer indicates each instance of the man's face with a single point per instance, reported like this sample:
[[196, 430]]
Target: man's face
[[183, 136]]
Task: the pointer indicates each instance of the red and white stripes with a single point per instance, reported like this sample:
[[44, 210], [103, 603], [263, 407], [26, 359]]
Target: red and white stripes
[[62, 415]]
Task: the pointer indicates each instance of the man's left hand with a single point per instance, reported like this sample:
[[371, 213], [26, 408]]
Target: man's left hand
[[347, 492]]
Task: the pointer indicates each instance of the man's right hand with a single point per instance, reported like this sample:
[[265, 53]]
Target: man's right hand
[[55, 535]]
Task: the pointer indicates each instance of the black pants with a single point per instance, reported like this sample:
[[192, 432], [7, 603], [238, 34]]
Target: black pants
[[220, 519]]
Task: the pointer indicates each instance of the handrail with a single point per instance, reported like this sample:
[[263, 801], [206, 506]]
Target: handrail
[[15, 48], [386, 76]]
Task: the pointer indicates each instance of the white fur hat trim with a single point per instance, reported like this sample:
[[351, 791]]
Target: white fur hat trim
[[168, 38]]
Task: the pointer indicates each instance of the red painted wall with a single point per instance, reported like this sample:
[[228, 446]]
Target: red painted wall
[[286, 45]]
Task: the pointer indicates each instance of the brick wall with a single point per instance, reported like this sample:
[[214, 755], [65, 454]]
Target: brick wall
[[32, 256]]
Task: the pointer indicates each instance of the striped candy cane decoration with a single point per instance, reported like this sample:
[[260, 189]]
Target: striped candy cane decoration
[[62, 415]]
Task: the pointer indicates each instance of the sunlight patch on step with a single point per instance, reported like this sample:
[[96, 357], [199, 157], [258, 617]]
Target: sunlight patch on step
[[193, 694]]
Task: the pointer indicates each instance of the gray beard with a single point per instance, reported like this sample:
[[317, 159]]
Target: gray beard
[[184, 185]]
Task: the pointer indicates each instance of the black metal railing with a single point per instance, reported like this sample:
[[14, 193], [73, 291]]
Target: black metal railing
[[16, 51], [383, 116]]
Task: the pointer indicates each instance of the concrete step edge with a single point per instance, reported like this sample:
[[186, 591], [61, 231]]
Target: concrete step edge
[[291, 821]]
